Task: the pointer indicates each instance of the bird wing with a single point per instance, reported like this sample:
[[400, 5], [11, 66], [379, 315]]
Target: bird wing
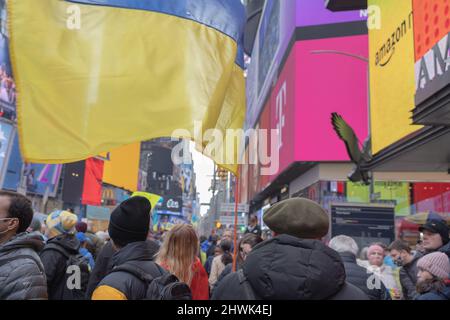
[[367, 149], [346, 134]]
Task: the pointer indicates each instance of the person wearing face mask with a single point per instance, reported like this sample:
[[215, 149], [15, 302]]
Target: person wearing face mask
[[253, 226], [401, 253], [22, 275], [375, 255]]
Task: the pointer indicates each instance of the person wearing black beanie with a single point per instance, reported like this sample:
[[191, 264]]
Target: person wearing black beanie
[[128, 229], [130, 221]]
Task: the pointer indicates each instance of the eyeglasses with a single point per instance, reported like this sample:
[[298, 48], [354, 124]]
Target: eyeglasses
[[7, 218]]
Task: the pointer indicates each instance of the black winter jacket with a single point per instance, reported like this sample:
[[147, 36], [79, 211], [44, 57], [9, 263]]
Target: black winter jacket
[[22, 275], [408, 278], [55, 264], [289, 268], [358, 276], [104, 264], [141, 255]]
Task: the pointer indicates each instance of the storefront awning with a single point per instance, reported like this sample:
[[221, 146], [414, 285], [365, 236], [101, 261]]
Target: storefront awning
[[426, 150]]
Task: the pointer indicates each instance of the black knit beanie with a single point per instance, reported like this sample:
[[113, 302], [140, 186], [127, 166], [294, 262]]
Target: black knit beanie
[[130, 221]]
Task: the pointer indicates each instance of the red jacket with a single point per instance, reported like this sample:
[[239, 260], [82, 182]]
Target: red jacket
[[199, 285]]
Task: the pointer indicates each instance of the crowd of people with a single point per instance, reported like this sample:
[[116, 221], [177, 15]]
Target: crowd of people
[[7, 86], [68, 262]]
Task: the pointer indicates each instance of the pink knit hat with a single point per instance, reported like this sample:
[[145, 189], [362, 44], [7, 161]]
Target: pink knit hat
[[435, 263]]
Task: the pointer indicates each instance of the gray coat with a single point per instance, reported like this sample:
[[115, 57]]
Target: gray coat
[[22, 275]]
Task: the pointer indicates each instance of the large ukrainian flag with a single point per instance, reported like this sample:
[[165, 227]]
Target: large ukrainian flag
[[93, 75]]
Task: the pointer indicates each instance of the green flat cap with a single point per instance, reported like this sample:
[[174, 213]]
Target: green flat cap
[[298, 217]]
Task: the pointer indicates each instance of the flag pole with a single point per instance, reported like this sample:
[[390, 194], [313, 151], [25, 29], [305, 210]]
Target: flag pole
[[236, 196]]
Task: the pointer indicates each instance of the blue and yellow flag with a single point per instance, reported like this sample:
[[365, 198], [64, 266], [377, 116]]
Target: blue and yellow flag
[[93, 75]]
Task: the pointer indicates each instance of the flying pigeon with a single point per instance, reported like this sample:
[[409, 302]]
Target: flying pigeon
[[358, 157]]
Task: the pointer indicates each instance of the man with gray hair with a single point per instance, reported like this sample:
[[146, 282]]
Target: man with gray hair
[[357, 275]]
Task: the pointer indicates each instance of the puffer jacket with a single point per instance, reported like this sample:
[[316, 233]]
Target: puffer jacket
[[55, 264], [22, 275], [359, 277], [445, 249], [121, 285], [289, 268], [104, 264], [408, 278]]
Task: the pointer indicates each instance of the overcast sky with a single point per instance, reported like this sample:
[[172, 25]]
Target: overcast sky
[[204, 169]]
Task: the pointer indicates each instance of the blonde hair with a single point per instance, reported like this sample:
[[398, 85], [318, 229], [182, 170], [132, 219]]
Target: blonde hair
[[179, 251]]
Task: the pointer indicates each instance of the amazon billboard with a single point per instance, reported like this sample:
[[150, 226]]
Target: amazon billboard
[[392, 84], [432, 61]]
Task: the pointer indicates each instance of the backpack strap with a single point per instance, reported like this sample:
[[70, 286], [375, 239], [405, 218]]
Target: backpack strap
[[137, 271], [249, 294], [55, 247]]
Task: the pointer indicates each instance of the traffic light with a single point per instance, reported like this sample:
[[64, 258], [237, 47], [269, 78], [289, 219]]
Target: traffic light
[[218, 224]]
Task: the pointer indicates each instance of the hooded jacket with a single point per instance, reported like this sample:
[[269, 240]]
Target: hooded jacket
[[55, 264], [122, 285], [22, 275], [289, 268]]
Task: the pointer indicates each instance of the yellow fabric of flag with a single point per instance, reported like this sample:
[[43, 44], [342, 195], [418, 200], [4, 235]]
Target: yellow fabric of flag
[[91, 78]]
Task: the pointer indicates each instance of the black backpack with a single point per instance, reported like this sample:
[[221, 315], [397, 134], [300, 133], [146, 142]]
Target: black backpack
[[79, 261], [164, 287]]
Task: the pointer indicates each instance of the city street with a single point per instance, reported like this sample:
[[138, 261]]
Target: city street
[[246, 151]]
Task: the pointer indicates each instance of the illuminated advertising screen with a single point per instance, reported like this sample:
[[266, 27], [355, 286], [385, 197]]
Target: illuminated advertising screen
[[326, 83], [35, 178], [282, 22], [7, 85], [392, 84], [6, 131], [305, 96], [432, 44]]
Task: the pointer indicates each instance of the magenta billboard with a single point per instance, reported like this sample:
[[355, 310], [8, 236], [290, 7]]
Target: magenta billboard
[[310, 88], [283, 22], [327, 83]]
